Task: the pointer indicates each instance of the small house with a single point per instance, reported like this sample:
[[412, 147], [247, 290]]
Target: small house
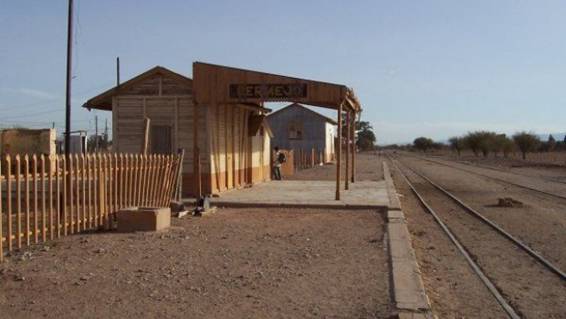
[[296, 127], [157, 108]]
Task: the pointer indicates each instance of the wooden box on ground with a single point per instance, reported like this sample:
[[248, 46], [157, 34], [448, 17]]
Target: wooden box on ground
[[144, 219]]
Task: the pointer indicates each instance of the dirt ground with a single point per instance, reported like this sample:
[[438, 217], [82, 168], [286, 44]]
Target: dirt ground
[[539, 223], [550, 170], [368, 168], [452, 287], [235, 263]]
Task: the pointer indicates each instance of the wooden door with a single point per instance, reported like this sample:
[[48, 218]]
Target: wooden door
[[161, 141]]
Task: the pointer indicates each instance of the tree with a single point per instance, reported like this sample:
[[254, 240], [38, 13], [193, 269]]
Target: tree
[[526, 142], [365, 137], [551, 143], [423, 143], [480, 141], [457, 144], [501, 143]]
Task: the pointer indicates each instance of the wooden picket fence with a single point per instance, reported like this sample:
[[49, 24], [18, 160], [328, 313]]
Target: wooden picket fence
[[46, 197], [305, 159]]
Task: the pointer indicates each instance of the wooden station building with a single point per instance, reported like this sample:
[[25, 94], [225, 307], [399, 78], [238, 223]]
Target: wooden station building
[[218, 118], [232, 143]]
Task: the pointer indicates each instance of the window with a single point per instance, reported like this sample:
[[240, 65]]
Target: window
[[295, 131]]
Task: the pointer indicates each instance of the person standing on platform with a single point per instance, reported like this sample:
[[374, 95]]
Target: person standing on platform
[[280, 158]]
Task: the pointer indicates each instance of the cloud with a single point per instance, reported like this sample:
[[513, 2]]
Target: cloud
[[39, 94]]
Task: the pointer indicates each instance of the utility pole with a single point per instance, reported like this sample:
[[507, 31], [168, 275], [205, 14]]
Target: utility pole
[[117, 71], [68, 84]]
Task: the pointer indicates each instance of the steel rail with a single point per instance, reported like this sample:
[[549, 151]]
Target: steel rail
[[492, 168], [494, 178], [498, 228], [511, 312]]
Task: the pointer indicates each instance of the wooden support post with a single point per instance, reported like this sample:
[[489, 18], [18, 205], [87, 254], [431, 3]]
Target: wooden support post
[[347, 179], [353, 128], [146, 126], [339, 152]]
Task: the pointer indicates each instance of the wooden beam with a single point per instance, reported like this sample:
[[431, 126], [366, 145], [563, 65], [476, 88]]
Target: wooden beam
[[145, 145], [338, 152], [353, 148]]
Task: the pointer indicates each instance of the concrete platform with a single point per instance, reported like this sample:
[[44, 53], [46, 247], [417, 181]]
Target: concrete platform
[[319, 194]]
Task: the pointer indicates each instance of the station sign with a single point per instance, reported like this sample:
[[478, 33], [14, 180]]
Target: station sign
[[268, 91]]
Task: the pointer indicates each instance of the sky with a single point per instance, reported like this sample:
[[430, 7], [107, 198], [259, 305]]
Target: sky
[[419, 68]]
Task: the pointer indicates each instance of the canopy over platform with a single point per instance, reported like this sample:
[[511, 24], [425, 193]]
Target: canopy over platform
[[221, 85]]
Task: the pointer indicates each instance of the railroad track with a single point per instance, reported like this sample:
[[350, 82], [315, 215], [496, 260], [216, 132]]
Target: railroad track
[[485, 166], [496, 178], [471, 259]]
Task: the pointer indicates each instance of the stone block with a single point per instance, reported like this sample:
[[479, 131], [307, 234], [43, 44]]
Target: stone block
[[143, 219]]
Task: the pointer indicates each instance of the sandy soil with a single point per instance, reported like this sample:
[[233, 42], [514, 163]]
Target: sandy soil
[[368, 168], [232, 264], [534, 291]]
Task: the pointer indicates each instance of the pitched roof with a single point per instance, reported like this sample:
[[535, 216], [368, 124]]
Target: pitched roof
[[325, 118], [103, 101]]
